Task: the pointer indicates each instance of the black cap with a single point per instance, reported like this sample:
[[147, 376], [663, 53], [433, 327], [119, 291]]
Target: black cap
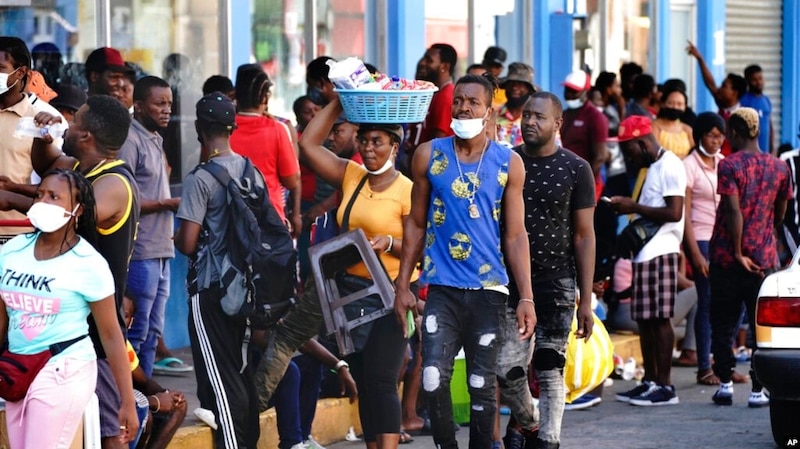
[[494, 56], [68, 96], [216, 108]]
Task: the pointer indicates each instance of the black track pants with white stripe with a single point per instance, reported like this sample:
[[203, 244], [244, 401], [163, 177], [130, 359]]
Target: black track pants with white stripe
[[217, 351]]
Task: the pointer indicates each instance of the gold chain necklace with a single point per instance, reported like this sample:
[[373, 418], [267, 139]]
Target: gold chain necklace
[[473, 210]]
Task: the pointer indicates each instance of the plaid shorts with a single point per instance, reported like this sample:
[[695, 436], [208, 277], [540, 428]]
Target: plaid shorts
[[655, 285]]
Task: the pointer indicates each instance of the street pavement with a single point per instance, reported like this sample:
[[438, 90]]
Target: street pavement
[[694, 423]]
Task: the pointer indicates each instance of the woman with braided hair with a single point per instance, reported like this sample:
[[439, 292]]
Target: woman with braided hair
[[52, 279]]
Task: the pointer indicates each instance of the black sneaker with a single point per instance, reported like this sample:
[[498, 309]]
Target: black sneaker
[[514, 439], [656, 395], [636, 391]]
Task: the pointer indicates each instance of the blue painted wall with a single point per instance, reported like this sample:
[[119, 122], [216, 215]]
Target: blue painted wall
[[549, 37], [405, 37], [241, 34], [791, 73], [710, 23]]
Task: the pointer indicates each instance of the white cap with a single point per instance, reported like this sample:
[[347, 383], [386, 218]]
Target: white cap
[[578, 80]]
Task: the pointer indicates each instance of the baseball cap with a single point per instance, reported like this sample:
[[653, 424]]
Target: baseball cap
[[521, 72], [395, 130], [578, 80], [634, 127], [69, 96], [106, 58], [494, 56], [45, 47], [217, 108]]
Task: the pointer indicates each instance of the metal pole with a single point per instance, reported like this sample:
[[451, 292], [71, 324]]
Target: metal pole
[[310, 30], [527, 32], [470, 31], [103, 11], [602, 6], [225, 63]]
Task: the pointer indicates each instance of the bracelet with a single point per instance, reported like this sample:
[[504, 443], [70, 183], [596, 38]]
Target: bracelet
[[158, 404], [391, 244], [521, 300], [341, 364]]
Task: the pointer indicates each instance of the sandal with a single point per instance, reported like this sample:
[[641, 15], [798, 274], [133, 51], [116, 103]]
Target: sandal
[[707, 377], [405, 438], [171, 366]]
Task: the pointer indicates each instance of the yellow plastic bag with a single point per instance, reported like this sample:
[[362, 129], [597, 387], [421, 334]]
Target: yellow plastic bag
[[588, 363]]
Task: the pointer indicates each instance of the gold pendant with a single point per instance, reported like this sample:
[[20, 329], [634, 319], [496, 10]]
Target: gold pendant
[[474, 212]]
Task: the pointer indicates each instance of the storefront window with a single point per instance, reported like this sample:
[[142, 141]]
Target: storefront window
[[59, 34], [279, 42]]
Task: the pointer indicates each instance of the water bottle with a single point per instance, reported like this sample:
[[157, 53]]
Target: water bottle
[[26, 127], [396, 84], [629, 369], [619, 365]]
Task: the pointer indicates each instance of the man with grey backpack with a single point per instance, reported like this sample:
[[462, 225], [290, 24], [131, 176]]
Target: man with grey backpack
[[220, 328]]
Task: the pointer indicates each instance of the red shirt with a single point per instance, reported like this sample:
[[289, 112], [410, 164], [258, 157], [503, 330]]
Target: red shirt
[[582, 128], [266, 142], [438, 118]]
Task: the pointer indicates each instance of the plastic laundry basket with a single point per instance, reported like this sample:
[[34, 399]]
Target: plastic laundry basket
[[386, 106]]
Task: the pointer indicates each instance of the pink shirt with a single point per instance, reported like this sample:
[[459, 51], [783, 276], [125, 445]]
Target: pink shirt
[[701, 180]]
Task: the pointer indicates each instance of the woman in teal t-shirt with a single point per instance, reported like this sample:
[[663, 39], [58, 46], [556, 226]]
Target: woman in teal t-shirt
[[50, 280]]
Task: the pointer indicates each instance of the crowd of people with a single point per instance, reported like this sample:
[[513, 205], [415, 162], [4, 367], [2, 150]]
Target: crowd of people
[[498, 218]]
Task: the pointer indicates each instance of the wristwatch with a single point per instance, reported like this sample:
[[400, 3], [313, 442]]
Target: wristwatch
[[340, 364]]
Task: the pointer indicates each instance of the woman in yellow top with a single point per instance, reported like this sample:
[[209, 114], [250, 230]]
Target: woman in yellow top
[[670, 132], [379, 209]]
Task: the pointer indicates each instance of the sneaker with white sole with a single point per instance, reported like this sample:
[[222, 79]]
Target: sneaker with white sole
[[311, 443], [583, 402], [207, 416], [656, 395], [724, 394], [758, 399], [635, 391]]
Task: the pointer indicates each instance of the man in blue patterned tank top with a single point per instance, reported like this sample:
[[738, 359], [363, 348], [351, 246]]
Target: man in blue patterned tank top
[[464, 187]]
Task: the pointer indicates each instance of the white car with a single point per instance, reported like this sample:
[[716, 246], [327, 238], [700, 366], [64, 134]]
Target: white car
[[777, 359]]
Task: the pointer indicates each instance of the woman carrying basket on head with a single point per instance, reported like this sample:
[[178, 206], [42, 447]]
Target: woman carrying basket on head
[[379, 208]]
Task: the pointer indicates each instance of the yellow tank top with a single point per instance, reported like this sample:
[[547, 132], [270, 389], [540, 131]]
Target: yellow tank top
[[678, 142]]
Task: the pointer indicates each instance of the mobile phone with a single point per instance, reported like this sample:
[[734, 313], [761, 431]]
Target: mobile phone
[[605, 198]]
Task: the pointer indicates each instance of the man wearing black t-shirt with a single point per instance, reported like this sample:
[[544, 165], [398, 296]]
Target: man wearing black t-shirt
[[559, 198]]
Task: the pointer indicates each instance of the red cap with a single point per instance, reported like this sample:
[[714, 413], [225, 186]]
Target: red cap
[[634, 127], [578, 81], [106, 58]]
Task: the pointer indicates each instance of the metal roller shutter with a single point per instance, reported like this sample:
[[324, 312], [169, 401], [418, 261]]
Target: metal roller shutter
[[753, 36]]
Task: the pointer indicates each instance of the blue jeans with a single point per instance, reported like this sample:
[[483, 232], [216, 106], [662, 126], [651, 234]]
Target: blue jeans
[[555, 307], [286, 400], [454, 318], [310, 383], [702, 320], [148, 284]]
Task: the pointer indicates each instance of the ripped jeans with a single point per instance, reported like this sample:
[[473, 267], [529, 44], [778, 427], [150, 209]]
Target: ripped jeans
[[454, 318], [555, 307]]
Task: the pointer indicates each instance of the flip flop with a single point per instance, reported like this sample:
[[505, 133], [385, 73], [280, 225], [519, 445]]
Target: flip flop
[[171, 366]]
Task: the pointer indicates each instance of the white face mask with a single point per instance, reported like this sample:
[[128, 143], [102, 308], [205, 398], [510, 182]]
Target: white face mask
[[48, 217], [573, 104], [468, 128], [4, 87], [389, 164], [706, 153]]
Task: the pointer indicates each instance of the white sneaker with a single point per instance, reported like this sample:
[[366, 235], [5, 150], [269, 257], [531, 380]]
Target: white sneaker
[[300, 445], [311, 443], [207, 416], [758, 400]]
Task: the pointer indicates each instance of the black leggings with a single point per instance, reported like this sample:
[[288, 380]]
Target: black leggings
[[376, 370]]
